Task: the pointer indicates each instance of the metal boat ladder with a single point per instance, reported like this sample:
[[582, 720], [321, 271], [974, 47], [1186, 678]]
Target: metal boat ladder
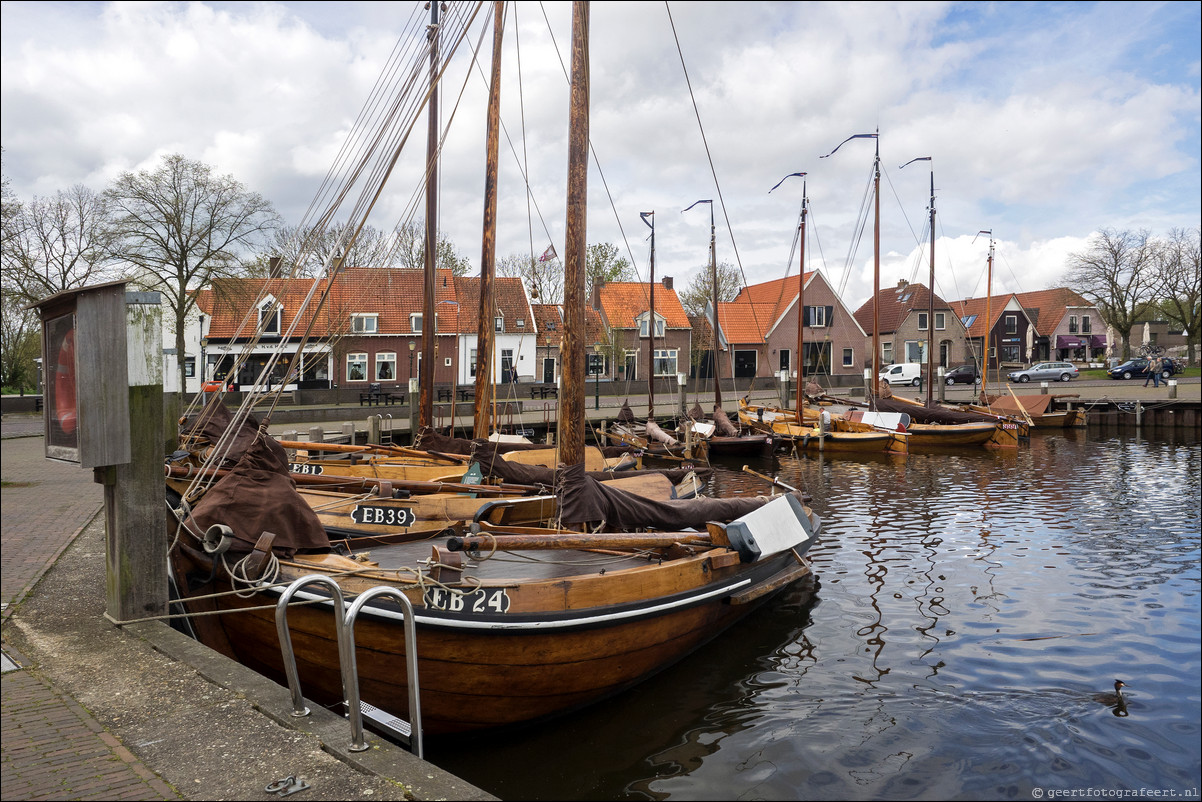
[[408, 732]]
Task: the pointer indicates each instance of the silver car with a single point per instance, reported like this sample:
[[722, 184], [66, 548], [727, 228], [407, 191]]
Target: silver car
[[1045, 371]]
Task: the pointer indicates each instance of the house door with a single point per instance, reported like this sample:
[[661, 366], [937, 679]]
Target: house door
[[632, 364], [548, 370]]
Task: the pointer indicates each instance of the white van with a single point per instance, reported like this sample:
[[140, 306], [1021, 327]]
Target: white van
[[905, 373]]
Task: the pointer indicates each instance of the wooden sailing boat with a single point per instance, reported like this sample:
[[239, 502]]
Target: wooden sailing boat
[[814, 430], [592, 608]]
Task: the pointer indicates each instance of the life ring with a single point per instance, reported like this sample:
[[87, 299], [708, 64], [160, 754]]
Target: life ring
[[212, 386], [65, 412]]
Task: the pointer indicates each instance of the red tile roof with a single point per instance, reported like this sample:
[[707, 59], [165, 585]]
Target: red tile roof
[[894, 304], [623, 301], [1048, 307]]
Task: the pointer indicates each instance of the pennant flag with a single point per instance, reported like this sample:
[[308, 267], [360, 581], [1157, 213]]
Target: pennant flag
[[548, 254], [845, 141], [786, 178], [644, 215]]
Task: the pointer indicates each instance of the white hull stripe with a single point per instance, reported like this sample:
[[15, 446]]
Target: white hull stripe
[[449, 622]]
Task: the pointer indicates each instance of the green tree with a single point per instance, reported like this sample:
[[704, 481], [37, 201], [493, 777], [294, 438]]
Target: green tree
[[180, 226], [1178, 279], [1116, 272], [603, 264], [699, 292]]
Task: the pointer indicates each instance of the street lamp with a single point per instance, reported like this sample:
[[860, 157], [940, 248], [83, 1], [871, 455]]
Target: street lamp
[[597, 378]]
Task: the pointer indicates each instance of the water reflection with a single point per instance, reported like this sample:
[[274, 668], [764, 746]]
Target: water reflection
[[967, 609]]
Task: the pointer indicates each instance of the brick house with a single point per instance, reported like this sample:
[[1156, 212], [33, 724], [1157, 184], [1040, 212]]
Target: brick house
[[1067, 326], [905, 327], [1011, 334], [631, 333]]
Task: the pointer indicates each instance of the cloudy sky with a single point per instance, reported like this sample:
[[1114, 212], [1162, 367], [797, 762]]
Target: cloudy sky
[[1045, 122]]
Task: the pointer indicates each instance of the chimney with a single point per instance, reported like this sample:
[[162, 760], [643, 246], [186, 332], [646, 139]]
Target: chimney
[[901, 282], [597, 293], [273, 266], [668, 282]]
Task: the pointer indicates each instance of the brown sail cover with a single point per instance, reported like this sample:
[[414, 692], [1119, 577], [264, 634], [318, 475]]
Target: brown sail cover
[[723, 425], [442, 444], [212, 422], [922, 414], [257, 496], [585, 501]]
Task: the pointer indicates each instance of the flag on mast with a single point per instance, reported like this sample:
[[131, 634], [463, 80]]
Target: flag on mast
[[548, 254]]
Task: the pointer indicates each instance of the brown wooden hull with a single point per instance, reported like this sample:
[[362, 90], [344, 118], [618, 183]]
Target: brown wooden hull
[[563, 642]]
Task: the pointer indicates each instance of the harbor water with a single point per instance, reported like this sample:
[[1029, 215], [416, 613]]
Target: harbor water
[[968, 612]]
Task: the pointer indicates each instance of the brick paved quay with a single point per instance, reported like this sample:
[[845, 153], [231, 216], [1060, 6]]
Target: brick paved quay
[[95, 711]]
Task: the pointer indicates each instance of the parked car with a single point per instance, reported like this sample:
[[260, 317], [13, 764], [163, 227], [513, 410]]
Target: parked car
[[905, 373], [965, 374], [1138, 368], [1045, 371]]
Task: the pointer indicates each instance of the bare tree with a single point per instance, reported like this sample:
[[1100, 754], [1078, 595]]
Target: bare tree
[[180, 226], [58, 243], [408, 250], [1179, 283], [699, 292], [306, 251], [1117, 273], [543, 279]]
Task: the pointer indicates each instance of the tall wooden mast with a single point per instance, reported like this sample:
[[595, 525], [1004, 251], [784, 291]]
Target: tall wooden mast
[[488, 256], [651, 330], [801, 308], [575, 245], [429, 329]]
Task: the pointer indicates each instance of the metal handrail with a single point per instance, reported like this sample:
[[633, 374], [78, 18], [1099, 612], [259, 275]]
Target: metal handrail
[[344, 627], [289, 655], [351, 679]]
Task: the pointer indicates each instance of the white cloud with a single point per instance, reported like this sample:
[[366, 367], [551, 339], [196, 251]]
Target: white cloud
[[1045, 122]]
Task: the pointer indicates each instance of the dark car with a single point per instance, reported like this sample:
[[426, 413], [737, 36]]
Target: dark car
[[965, 374], [1138, 368]]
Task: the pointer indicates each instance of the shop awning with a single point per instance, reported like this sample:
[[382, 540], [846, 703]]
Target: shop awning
[[1068, 341], [1097, 340]]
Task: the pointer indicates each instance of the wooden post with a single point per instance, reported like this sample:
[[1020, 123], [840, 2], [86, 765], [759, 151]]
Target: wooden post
[[373, 428], [134, 492]]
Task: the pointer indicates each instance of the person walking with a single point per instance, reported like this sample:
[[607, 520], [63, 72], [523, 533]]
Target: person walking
[[1154, 368]]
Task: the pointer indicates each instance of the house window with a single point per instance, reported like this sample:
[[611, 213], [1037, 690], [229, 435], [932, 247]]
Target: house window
[[915, 351], [665, 362], [922, 321], [364, 324], [1086, 327], [385, 366], [499, 324], [887, 353], [848, 358], [940, 321], [786, 361], [356, 367], [471, 370], [415, 322], [596, 364], [1072, 324], [269, 318], [817, 316], [520, 323], [645, 325], [1011, 324], [189, 367]]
